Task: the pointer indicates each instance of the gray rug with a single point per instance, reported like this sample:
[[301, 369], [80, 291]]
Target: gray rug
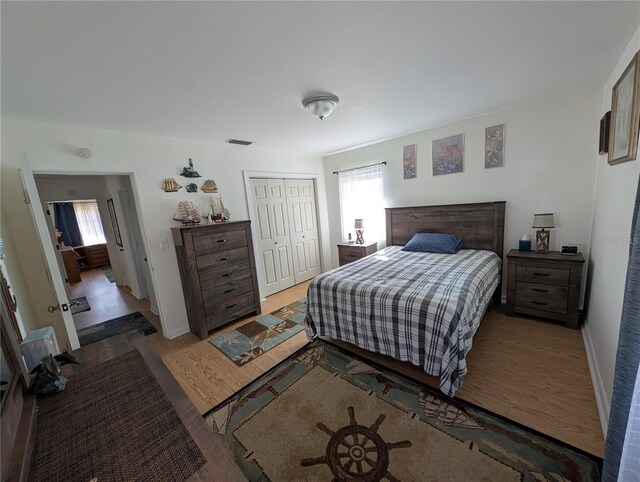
[[78, 305], [108, 272], [117, 326]]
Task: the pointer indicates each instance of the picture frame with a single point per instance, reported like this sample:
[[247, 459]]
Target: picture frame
[[605, 126], [447, 155], [409, 161], [114, 222], [494, 146], [625, 114]]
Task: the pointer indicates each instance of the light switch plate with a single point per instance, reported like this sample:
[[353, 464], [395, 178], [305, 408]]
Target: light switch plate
[[164, 243]]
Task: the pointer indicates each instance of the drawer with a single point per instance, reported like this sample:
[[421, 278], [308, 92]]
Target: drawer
[[215, 275], [220, 293], [228, 310], [223, 259], [541, 297], [219, 241], [547, 276]]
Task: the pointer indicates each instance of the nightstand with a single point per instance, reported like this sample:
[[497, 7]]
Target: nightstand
[[544, 285], [351, 252]]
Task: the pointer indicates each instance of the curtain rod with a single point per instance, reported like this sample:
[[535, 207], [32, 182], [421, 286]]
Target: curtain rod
[[361, 167]]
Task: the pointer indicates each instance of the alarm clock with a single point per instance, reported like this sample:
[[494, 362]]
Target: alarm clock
[[570, 250]]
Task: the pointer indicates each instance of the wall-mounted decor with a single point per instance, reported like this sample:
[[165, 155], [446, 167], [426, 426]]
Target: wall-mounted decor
[[448, 155], [625, 114], [494, 146], [170, 185], [209, 186], [187, 213], [189, 171], [605, 124], [409, 161], [192, 187], [114, 222]]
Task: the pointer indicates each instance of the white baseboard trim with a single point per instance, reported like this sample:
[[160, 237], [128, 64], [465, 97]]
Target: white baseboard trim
[[177, 332], [602, 400], [154, 310]]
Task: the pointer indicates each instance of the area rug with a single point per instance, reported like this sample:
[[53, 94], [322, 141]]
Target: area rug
[[112, 422], [325, 414], [249, 341], [117, 326], [78, 305], [108, 272]]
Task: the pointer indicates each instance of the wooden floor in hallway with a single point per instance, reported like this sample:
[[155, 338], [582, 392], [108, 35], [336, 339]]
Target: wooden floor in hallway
[[532, 372]]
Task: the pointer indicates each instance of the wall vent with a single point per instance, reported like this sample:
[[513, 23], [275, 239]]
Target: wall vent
[[239, 142]]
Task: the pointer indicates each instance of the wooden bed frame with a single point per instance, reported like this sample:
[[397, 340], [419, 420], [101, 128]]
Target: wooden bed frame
[[480, 225]]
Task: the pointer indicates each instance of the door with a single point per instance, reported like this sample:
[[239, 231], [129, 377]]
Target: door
[[273, 245], [138, 253], [303, 226], [33, 200]]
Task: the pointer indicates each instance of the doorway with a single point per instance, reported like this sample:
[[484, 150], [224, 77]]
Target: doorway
[[285, 229], [95, 231]]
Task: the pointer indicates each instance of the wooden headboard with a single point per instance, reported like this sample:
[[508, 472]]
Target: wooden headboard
[[480, 225]]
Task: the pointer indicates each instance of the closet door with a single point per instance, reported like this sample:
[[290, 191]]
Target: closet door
[[273, 245], [303, 224]]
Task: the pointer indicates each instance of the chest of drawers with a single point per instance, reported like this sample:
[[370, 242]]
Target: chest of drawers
[[351, 252], [218, 273], [544, 285]]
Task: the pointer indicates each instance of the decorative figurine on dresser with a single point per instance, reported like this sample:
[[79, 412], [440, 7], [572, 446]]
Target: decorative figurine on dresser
[[545, 284], [218, 273]]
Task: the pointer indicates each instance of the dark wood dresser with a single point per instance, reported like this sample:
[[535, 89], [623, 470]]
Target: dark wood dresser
[[218, 272], [348, 252], [544, 285]]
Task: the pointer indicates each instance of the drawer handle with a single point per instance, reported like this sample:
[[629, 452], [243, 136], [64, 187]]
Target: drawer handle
[[539, 303], [227, 274], [229, 291], [541, 274], [231, 306], [222, 241], [539, 290], [225, 259]]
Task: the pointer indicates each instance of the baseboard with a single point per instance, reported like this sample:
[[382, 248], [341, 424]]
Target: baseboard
[[154, 310], [503, 299], [602, 400], [177, 332]]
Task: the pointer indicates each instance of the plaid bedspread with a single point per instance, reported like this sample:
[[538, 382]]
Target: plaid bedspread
[[418, 307]]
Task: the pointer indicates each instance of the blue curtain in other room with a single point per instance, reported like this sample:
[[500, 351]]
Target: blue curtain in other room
[[67, 224], [627, 357]]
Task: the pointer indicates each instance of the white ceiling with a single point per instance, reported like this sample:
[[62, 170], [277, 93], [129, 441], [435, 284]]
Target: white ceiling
[[210, 71]]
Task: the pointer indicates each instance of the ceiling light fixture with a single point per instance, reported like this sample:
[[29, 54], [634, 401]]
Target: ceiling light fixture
[[321, 105]]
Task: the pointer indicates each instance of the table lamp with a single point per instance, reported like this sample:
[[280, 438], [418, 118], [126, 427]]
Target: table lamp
[[543, 221], [359, 227]]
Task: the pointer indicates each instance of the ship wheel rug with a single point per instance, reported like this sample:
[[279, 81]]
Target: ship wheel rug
[[324, 414]]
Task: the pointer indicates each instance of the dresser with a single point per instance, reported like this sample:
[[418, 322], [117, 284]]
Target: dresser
[[544, 285], [348, 252], [218, 273]]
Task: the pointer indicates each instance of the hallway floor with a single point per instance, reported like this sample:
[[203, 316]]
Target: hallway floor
[[107, 300]]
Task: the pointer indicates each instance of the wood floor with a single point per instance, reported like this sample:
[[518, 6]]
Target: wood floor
[[529, 371]]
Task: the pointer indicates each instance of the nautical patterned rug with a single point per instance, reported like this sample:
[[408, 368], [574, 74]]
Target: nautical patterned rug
[[78, 305], [249, 341], [326, 415], [117, 326]]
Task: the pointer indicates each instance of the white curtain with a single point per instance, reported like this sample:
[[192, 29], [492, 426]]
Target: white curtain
[[89, 222], [362, 197]]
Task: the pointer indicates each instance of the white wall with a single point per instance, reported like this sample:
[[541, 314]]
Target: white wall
[[550, 166], [612, 212], [51, 147]]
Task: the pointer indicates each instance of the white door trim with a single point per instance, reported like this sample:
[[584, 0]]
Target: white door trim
[[248, 175], [135, 191]]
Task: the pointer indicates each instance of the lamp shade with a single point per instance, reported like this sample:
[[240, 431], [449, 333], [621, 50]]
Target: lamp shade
[[543, 221], [359, 224]]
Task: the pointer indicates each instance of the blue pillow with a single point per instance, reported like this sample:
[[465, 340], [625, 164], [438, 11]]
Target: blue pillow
[[434, 243]]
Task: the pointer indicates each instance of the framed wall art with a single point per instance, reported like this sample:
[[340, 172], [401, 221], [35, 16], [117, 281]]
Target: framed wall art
[[494, 146], [114, 222], [625, 114], [409, 161], [447, 155]]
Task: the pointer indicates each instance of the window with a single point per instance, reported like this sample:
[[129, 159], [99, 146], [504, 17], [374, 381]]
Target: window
[[89, 222], [362, 196]]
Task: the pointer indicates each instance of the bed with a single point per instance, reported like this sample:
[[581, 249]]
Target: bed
[[423, 308]]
